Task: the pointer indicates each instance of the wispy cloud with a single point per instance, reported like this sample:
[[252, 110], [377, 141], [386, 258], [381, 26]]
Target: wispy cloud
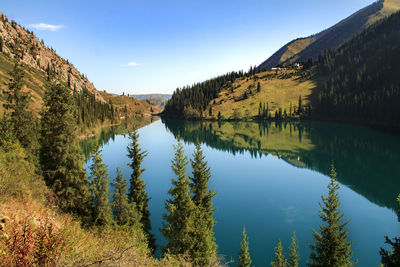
[[46, 27], [131, 64], [292, 214]]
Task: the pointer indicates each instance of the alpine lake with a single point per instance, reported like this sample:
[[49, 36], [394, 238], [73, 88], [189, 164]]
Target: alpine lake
[[269, 178]]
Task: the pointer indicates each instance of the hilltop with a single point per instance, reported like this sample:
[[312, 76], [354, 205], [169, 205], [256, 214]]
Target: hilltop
[[302, 49]]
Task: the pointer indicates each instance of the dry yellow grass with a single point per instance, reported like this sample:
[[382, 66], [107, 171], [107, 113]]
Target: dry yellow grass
[[277, 93], [389, 7], [296, 47], [34, 83], [27, 212]]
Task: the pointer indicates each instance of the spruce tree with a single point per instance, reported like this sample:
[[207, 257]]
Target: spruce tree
[[137, 191], [206, 248], [179, 219], [60, 155], [7, 134], [258, 87], [99, 194], [331, 246], [244, 253], [391, 258], [294, 257], [279, 259], [22, 120], [123, 211], [300, 108]]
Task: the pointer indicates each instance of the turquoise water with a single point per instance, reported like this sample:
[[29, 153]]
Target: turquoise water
[[270, 177]]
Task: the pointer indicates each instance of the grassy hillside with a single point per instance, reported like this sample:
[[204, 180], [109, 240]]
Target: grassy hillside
[[278, 90], [35, 81], [133, 106], [35, 233], [310, 47]]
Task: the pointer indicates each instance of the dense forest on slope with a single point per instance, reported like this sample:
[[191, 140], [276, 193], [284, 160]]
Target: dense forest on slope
[[310, 47], [256, 94], [191, 101], [359, 81]]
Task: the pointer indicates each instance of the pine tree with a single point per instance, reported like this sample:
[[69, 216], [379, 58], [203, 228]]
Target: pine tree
[[391, 258], [293, 259], [99, 194], [1, 44], [178, 228], [279, 260], [331, 246], [244, 254], [258, 87], [60, 156], [22, 120], [123, 211], [7, 135], [205, 248], [137, 192], [300, 108]]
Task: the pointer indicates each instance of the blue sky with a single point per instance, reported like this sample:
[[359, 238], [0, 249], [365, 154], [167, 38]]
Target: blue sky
[[156, 46]]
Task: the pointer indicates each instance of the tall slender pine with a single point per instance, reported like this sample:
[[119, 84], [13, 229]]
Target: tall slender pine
[[22, 120], [60, 156], [331, 246], [391, 258], [99, 192], [279, 259], [294, 257], [244, 253], [206, 249], [137, 191], [123, 211], [179, 219]]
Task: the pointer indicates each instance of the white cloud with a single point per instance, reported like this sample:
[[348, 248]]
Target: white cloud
[[46, 27], [132, 64]]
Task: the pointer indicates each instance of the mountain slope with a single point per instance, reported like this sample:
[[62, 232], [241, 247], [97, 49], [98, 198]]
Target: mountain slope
[[310, 47], [38, 61], [359, 81], [17, 41]]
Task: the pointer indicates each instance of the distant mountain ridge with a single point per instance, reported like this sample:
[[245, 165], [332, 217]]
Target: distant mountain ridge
[[302, 49], [155, 99], [145, 96]]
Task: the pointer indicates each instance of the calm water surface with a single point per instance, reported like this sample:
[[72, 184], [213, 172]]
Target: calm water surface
[[270, 177]]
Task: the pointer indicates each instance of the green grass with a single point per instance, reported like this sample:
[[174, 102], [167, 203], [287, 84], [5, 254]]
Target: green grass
[[278, 93]]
